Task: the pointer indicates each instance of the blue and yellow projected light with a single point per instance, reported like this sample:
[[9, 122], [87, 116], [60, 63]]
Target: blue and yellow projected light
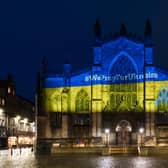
[[117, 82]]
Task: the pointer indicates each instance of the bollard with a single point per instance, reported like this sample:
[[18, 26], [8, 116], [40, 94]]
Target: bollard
[[20, 150], [11, 151]]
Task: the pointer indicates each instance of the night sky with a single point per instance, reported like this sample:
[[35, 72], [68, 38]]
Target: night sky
[[62, 30]]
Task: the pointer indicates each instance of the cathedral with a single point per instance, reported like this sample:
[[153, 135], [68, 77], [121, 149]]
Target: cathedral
[[121, 97]]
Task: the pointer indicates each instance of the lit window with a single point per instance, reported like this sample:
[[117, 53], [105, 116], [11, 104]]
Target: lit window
[[9, 90], [82, 101], [3, 102], [124, 93]]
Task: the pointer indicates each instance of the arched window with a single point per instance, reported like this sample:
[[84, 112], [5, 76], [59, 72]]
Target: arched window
[[124, 89], [162, 101], [54, 102], [64, 101], [82, 101]]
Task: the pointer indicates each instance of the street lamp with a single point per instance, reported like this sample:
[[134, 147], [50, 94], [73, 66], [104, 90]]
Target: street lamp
[[17, 118], [107, 131], [141, 131]]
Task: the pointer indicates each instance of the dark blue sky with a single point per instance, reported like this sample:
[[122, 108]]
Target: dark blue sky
[[64, 29]]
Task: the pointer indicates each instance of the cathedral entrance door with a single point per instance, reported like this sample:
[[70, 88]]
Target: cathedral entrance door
[[123, 133]]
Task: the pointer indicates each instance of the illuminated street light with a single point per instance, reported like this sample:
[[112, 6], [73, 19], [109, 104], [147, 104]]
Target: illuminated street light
[[141, 131], [25, 120], [18, 117], [107, 131]]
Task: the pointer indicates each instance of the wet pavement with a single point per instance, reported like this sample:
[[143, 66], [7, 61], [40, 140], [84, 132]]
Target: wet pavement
[[27, 159]]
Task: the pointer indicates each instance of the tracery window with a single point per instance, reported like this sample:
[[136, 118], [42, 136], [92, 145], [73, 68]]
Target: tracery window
[[123, 90], [82, 101]]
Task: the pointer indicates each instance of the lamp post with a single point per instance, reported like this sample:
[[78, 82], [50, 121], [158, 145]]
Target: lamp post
[[141, 131], [107, 131], [17, 118], [33, 129]]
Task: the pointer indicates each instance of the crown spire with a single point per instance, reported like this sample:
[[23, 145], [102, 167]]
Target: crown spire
[[148, 33], [148, 29], [123, 30], [97, 29]]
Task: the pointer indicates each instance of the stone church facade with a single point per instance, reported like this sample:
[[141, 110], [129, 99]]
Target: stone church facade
[[123, 91]]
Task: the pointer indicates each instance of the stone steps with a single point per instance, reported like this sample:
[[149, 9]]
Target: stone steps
[[123, 150], [162, 141], [96, 150]]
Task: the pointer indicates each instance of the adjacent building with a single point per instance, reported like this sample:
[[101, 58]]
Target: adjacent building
[[17, 117], [122, 99]]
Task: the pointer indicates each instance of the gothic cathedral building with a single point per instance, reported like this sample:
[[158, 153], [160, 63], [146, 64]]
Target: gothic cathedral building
[[122, 92]]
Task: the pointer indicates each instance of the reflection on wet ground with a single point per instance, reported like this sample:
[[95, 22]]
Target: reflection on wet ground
[[26, 159]]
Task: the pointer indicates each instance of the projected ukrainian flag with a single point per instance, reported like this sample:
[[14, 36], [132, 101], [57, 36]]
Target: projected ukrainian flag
[[117, 81], [99, 93]]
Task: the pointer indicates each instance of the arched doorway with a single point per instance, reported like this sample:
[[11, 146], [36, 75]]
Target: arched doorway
[[123, 133]]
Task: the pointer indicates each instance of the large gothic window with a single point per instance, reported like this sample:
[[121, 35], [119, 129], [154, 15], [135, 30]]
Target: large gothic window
[[123, 90], [82, 101], [123, 65]]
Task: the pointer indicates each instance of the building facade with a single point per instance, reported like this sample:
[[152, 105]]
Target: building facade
[[17, 117], [123, 96]]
